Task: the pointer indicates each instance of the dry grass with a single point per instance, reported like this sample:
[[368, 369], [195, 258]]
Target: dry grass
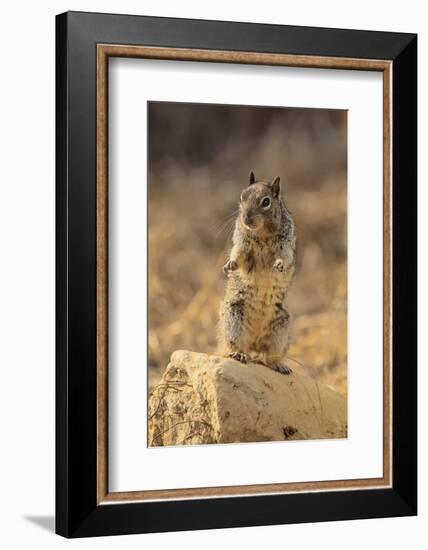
[[192, 197]]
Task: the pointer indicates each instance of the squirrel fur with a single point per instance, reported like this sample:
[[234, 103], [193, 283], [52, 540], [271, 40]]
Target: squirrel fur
[[254, 322]]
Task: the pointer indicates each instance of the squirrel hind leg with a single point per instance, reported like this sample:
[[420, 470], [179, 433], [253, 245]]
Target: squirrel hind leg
[[275, 366], [239, 356], [282, 369], [231, 334]]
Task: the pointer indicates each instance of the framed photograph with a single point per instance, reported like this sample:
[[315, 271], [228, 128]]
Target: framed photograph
[[236, 274]]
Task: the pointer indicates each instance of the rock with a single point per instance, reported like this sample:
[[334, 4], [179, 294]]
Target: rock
[[209, 399]]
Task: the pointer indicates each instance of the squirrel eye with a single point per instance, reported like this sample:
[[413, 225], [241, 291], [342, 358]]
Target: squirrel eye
[[265, 202]]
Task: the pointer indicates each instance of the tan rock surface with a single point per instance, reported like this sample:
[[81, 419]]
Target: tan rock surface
[[209, 399]]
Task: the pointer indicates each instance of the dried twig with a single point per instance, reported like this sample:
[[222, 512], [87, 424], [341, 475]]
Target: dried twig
[[177, 424]]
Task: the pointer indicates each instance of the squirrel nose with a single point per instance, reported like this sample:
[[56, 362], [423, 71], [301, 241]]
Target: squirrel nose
[[248, 220]]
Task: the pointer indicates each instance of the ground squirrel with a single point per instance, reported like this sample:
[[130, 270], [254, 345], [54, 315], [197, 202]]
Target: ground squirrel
[[254, 322]]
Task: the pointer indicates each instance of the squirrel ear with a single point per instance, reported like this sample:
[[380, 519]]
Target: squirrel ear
[[252, 178], [275, 185]]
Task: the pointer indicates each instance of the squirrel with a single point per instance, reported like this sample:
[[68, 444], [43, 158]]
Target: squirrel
[[254, 322]]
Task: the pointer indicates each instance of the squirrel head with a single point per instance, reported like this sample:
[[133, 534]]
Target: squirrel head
[[260, 209]]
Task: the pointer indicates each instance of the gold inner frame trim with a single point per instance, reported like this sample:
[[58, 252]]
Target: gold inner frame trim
[[104, 51]]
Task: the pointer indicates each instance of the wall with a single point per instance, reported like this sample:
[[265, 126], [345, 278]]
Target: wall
[[27, 270]]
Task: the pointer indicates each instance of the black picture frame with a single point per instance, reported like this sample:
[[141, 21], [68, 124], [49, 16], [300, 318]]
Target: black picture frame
[[77, 512]]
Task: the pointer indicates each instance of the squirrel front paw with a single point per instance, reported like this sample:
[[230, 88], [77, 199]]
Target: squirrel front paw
[[231, 265], [279, 265]]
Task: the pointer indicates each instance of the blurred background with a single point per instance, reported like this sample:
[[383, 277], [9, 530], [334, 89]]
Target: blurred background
[[200, 157]]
